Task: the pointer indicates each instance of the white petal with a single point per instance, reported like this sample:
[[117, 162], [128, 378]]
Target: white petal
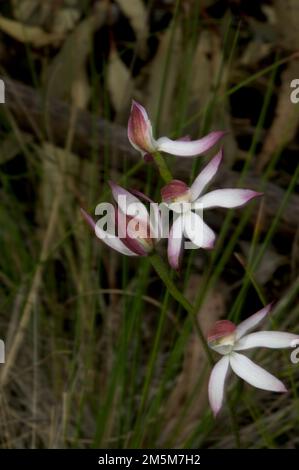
[[189, 148], [205, 176], [252, 321], [113, 241], [198, 231], [88, 219], [227, 198], [266, 339], [128, 203], [216, 384], [175, 244], [254, 374]]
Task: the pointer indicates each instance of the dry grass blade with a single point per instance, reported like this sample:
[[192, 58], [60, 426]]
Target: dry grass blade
[[70, 62], [120, 83], [37, 278], [28, 34], [169, 53]]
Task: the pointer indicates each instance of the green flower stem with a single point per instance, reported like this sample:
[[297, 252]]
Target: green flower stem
[[164, 171], [163, 273]]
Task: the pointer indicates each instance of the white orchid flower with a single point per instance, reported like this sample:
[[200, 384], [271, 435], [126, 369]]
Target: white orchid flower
[[227, 338], [188, 202]]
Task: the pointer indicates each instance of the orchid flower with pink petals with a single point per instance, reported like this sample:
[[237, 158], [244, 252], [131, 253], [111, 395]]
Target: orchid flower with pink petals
[[131, 231], [187, 202], [140, 135], [227, 338]]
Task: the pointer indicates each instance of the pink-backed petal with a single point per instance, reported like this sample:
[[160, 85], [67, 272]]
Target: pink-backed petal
[[266, 339], [217, 383], [254, 374], [120, 191], [154, 219], [198, 231], [128, 203], [134, 245], [173, 190], [205, 176], [189, 148], [175, 244], [252, 321], [88, 219], [221, 329], [140, 133], [221, 338], [128, 236], [141, 195], [227, 198], [113, 242], [126, 246]]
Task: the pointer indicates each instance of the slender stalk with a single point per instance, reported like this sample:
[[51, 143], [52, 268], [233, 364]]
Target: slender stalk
[[162, 271], [164, 171], [139, 426]]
